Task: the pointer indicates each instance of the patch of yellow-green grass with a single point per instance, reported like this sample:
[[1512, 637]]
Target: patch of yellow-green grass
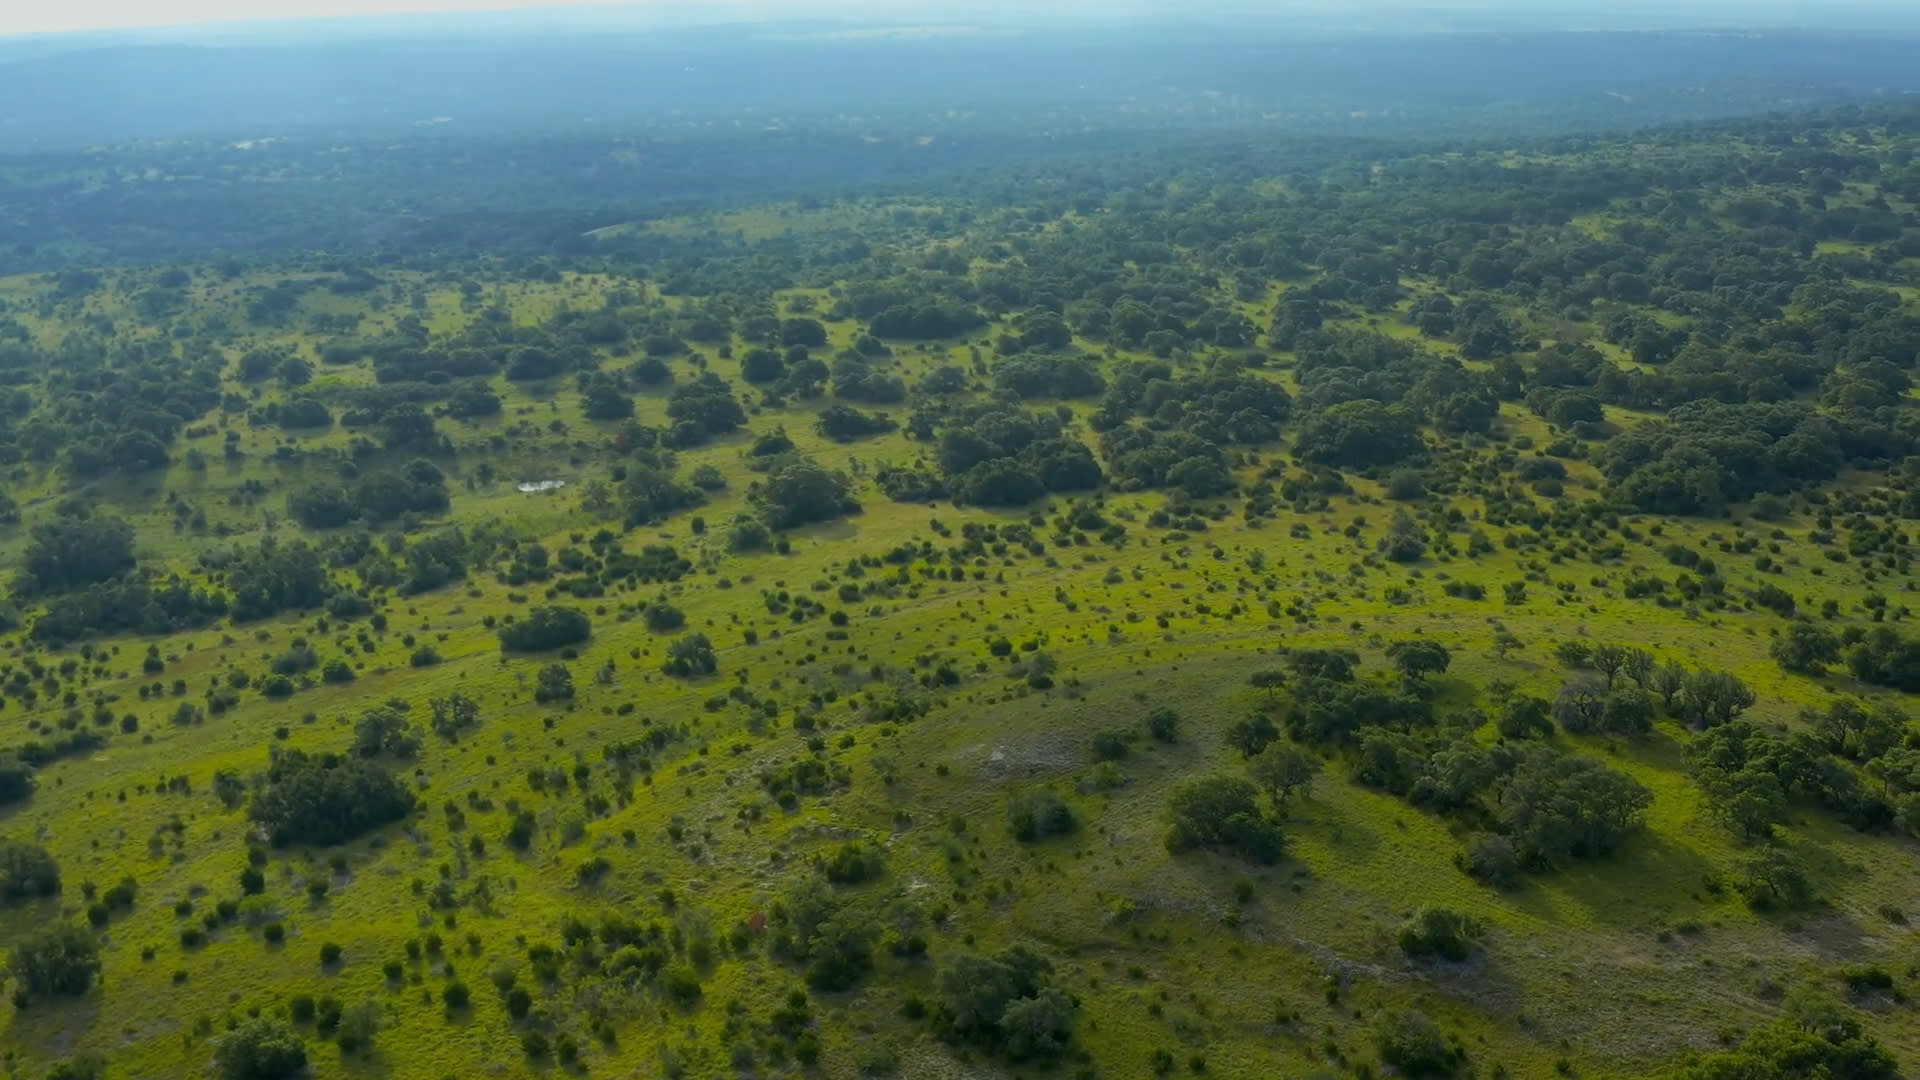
[[782, 219]]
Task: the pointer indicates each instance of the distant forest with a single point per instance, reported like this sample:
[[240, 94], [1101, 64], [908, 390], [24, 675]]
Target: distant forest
[[401, 148]]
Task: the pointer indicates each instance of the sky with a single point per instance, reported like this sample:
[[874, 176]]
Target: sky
[[52, 16], [37, 16]]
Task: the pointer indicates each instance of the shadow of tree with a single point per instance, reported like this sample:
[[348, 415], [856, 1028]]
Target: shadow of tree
[[1651, 881]]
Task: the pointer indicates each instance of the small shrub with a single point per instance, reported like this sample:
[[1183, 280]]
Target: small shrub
[[1439, 932]]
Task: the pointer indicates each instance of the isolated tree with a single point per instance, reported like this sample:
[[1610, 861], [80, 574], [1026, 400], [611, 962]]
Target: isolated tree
[[1282, 769], [1505, 643], [1640, 668], [1628, 711], [1608, 660], [1580, 707], [1253, 734], [603, 400], [1222, 812], [1806, 648], [1040, 813], [360, 1024], [1411, 1042], [1773, 878], [1526, 717], [800, 491], [1668, 680], [1419, 657], [1005, 1003], [1163, 723], [690, 656], [454, 715], [1405, 541], [762, 365], [1708, 698], [57, 959], [27, 872], [385, 730], [1573, 653], [1442, 932], [555, 684], [260, 1049], [1268, 679], [651, 493]]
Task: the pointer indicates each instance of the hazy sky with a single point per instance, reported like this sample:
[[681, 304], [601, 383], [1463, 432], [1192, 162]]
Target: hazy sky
[[44, 16], [28, 17]]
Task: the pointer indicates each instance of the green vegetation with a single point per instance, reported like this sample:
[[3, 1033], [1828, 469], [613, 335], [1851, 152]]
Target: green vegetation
[[1312, 609]]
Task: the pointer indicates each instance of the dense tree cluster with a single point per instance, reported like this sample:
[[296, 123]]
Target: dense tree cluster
[[326, 799], [1005, 1003], [374, 497], [545, 628]]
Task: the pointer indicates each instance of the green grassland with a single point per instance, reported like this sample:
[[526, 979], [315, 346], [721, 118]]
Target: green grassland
[[1613, 967]]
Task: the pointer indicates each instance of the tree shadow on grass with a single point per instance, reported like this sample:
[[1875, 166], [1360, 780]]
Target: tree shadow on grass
[[52, 1028], [365, 1066], [1348, 841], [839, 529], [1650, 882]]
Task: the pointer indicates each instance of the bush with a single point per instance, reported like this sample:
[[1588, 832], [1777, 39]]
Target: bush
[[1038, 814], [682, 986], [1111, 746], [854, 863], [555, 684], [690, 656], [1492, 859], [1411, 1042], [664, 618], [1774, 879], [16, 779], [260, 1049], [1439, 932], [27, 872]]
